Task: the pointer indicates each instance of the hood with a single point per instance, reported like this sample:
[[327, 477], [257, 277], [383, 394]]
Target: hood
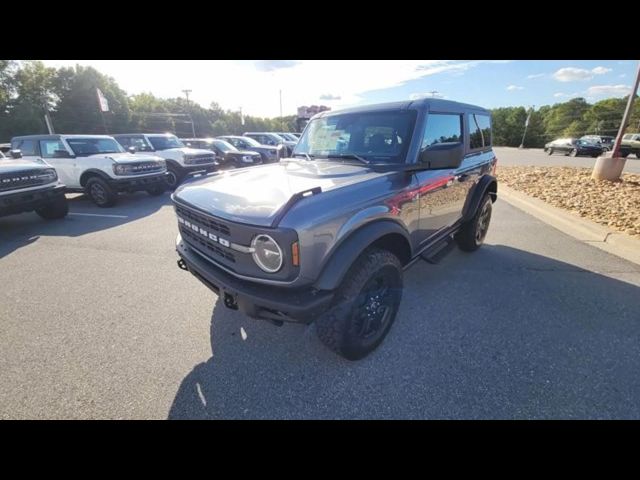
[[244, 152], [9, 165], [189, 151], [128, 157], [255, 195]]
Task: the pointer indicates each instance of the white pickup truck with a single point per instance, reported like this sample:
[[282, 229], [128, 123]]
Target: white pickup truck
[[181, 160], [30, 185], [96, 165]]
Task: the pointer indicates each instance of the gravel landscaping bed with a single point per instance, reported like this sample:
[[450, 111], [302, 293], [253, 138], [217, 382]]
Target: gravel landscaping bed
[[613, 204]]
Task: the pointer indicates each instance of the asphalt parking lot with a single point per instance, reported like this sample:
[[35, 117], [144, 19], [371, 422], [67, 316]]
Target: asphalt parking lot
[[96, 321]]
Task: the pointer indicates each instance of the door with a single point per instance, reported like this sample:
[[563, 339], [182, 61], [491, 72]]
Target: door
[[56, 154], [441, 193]]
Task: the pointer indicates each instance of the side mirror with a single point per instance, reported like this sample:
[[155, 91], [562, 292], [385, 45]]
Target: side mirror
[[16, 154], [442, 155], [132, 149]]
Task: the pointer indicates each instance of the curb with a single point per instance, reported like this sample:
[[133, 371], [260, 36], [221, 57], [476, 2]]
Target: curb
[[586, 231]]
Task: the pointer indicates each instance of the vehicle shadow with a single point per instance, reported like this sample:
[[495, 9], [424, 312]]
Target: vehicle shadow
[[84, 217], [501, 333]]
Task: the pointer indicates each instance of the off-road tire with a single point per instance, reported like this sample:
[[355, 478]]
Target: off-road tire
[[174, 179], [336, 327], [550, 151], [106, 199], [469, 238], [55, 210]]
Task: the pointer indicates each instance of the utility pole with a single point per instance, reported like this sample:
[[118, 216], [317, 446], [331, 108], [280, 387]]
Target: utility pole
[[281, 126], [526, 125], [610, 167], [49, 123], [186, 94]]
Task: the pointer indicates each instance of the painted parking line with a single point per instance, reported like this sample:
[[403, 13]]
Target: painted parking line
[[98, 215]]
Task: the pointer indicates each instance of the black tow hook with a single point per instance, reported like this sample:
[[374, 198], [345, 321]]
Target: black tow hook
[[230, 301], [182, 265]]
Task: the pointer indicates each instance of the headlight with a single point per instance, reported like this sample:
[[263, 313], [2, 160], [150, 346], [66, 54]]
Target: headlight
[[247, 159], [267, 253], [120, 169]]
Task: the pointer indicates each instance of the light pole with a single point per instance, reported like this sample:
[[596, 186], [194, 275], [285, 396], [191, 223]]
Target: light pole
[[526, 125], [610, 167], [193, 128]]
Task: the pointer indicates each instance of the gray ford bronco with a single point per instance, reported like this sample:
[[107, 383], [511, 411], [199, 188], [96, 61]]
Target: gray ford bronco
[[325, 235]]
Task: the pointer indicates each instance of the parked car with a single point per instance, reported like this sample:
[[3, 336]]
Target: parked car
[[269, 153], [228, 155], [630, 144], [96, 165], [182, 161], [30, 185], [605, 141], [573, 147], [326, 235], [5, 148], [273, 139], [288, 136]]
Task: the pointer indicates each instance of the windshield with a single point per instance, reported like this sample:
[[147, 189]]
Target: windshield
[[224, 146], [251, 141], [83, 147], [373, 136], [165, 142]]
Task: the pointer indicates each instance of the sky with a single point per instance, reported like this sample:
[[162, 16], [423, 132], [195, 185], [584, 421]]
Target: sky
[[255, 85]]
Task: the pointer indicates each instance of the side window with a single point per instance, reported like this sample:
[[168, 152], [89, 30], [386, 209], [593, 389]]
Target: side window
[[139, 143], [479, 131], [27, 147], [124, 141], [442, 128], [49, 147]]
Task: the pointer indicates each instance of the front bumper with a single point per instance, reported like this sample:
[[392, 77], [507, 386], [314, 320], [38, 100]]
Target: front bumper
[[20, 202], [135, 184], [279, 304]]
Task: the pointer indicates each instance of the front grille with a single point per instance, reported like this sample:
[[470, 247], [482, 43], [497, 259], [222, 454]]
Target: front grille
[[204, 245], [203, 221], [145, 167], [199, 232], [200, 159], [24, 179]]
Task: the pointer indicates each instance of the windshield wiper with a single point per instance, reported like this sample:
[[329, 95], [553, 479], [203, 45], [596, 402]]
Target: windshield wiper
[[352, 156], [309, 157]]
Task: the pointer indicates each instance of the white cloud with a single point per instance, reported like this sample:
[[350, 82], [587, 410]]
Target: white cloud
[[255, 86], [559, 95], [571, 74], [622, 75], [536, 75], [329, 97], [567, 95], [608, 90], [513, 88]]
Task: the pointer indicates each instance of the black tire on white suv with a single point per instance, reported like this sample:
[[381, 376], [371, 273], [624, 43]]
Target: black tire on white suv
[[100, 192], [55, 210]]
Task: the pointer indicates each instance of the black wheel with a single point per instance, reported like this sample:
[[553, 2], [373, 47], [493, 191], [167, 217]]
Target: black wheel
[[472, 233], [573, 152], [100, 192], [174, 177], [55, 210], [156, 190], [550, 151], [624, 155], [365, 307]]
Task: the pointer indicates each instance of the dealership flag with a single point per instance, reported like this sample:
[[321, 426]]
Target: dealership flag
[[102, 101]]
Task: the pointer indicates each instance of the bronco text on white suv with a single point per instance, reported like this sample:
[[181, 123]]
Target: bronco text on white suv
[[96, 165], [30, 185], [181, 160]]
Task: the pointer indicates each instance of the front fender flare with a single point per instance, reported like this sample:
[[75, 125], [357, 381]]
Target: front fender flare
[[351, 247]]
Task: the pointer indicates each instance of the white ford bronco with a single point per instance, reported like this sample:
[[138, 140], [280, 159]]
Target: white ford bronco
[[96, 165], [30, 185], [182, 161]]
